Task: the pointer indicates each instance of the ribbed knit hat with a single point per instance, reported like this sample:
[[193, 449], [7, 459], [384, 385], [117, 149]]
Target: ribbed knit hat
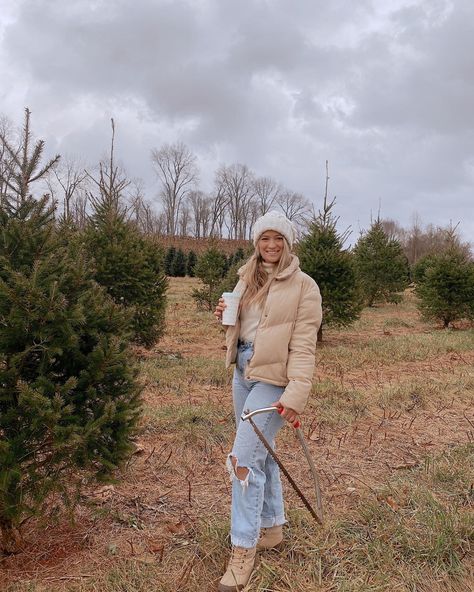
[[276, 221]]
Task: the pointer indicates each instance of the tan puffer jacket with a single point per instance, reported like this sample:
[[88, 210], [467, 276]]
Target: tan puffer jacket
[[285, 342]]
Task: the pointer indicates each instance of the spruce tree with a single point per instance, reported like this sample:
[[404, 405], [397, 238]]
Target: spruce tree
[[323, 257], [210, 269], [68, 395], [169, 259], [191, 263], [446, 288], [381, 266], [238, 256], [418, 271], [128, 264], [178, 265]]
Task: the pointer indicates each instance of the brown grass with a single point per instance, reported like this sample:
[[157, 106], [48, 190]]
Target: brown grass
[[390, 425]]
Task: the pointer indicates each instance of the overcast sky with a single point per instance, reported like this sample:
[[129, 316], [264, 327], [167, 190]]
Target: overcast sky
[[382, 89]]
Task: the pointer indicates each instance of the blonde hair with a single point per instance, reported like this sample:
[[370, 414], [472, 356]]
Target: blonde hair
[[256, 277]]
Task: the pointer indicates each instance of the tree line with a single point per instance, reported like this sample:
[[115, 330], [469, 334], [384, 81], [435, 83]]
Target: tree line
[[375, 270], [181, 208]]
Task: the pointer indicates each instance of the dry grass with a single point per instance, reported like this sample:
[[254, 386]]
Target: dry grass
[[390, 425]]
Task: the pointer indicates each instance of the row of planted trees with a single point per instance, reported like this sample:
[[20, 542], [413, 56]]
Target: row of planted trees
[[70, 304], [375, 270]]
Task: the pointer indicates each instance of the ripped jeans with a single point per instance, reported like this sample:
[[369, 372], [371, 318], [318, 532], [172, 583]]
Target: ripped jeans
[[257, 501]]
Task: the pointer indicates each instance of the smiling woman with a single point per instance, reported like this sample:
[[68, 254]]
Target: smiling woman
[[272, 345]]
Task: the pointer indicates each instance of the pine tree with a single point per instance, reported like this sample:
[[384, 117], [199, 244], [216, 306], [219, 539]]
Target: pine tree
[[323, 257], [191, 263], [210, 269], [23, 166], [68, 395], [169, 258], [238, 256], [128, 264], [446, 288], [178, 265], [381, 266], [418, 271]]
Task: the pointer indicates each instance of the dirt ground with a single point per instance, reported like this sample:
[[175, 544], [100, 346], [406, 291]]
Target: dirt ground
[[176, 479]]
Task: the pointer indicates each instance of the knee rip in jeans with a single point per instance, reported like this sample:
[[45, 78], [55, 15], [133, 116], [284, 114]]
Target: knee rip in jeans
[[234, 468]]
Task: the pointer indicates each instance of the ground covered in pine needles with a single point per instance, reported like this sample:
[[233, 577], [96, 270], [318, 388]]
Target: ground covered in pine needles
[[390, 426]]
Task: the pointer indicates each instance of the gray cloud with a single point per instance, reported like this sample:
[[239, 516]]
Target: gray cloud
[[385, 92]]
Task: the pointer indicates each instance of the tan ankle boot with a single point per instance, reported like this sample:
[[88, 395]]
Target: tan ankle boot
[[270, 538], [239, 570]]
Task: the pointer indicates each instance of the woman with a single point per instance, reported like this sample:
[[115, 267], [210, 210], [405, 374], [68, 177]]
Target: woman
[[273, 347]]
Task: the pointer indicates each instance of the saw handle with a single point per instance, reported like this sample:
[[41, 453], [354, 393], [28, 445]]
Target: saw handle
[[248, 414]]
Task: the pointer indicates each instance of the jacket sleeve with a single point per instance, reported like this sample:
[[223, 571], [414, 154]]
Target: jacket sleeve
[[302, 348]]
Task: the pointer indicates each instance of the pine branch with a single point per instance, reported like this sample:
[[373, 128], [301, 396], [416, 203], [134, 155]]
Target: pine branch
[[46, 168]]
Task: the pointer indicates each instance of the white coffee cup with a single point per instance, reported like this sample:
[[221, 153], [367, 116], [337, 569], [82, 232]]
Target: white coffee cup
[[231, 299]]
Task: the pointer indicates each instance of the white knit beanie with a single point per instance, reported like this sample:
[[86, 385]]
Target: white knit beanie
[[276, 221]]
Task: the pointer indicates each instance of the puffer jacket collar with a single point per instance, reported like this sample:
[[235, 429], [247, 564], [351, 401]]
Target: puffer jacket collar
[[283, 275]]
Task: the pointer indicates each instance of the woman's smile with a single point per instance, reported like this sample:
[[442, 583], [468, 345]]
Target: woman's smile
[[270, 246]]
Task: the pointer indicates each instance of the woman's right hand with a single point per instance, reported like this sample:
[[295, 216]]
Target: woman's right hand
[[220, 309]]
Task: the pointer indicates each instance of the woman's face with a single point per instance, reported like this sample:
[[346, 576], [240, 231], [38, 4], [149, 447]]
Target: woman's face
[[270, 246]]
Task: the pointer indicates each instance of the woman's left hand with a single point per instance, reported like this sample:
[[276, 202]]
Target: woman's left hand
[[286, 412]]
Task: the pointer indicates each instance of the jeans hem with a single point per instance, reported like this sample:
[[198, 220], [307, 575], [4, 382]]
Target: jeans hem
[[273, 521], [236, 542]]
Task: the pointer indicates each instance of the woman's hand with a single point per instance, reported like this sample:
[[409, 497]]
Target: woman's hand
[[220, 309], [287, 413]]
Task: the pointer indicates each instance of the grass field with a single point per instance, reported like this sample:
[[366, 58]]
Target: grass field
[[390, 425]]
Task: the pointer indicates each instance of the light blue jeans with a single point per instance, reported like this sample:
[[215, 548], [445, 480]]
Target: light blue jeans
[[257, 501]]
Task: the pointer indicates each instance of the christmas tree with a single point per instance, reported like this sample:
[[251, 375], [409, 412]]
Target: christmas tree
[[382, 268], [323, 257], [191, 261], [446, 288], [210, 269], [128, 264], [69, 399]]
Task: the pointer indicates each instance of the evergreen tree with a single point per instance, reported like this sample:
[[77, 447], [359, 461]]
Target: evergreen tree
[[191, 263], [178, 265], [210, 269], [323, 257], [227, 263], [68, 396], [381, 266], [238, 256], [230, 279], [128, 264], [169, 258], [23, 166], [418, 271], [446, 289]]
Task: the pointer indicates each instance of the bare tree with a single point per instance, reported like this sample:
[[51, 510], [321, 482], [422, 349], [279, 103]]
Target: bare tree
[[295, 207], [393, 229], [69, 179], [218, 206], [414, 240], [236, 183], [200, 205], [184, 219], [267, 191], [79, 209], [419, 241], [176, 168], [139, 211]]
